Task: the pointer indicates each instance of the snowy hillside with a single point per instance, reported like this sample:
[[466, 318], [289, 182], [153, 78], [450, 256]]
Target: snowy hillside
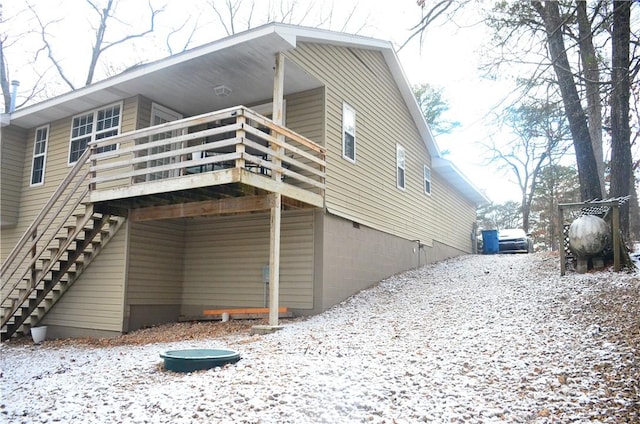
[[477, 339]]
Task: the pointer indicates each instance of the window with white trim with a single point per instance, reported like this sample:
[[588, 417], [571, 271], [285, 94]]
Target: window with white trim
[[400, 167], [348, 132], [427, 180], [92, 126], [39, 155]]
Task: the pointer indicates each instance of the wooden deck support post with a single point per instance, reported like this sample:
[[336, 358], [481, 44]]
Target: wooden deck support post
[[274, 248], [274, 260], [278, 112]]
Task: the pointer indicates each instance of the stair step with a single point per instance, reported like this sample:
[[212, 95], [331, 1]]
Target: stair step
[[64, 263], [83, 215]]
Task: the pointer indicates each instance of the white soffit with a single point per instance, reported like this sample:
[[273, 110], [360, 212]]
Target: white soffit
[[265, 40]]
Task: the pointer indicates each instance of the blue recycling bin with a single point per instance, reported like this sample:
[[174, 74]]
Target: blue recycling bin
[[490, 242]]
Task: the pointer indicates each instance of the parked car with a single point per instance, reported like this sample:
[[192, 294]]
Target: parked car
[[514, 240]]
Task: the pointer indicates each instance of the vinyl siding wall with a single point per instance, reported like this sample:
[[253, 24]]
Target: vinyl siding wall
[[156, 262], [305, 114], [12, 145], [95, 301], [224, 259], [155, 272], [34, 198], [110, 262], [366, 191], [456, 216]]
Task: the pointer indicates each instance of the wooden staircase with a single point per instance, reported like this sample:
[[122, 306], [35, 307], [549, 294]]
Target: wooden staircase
[[52, 253]]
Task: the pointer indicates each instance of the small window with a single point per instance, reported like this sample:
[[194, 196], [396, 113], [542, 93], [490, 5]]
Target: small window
[[81, 131], [400, 166], [348, 132], [39, 155], [92, 126], [427, 180]]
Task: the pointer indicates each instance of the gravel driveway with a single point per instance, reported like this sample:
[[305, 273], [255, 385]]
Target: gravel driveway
[[477, 339]]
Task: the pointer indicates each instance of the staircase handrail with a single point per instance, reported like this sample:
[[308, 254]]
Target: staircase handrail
[[38, 253], [45, 210]]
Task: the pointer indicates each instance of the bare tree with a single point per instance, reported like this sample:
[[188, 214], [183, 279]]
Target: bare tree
[[587, 170], [234, 14], [101, 45], [556, 184], [442, 9], [46, 46], [540, 131], [6, 42], [499, 216], [4, 74], [187, 43], [591, 71], [579, 67], [227, 14], [621, 174], [103, 16], [109, 30], [433, 107]]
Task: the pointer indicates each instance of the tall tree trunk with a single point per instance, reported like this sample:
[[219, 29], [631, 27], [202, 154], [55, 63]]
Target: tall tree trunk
[[98, 47], [592, 85], [621, 163], [585, 159], [552, 235]]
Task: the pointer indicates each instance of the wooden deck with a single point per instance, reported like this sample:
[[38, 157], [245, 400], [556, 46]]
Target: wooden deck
[[203, 163]]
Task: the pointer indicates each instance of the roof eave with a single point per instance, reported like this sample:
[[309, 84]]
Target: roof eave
[[152, 67]]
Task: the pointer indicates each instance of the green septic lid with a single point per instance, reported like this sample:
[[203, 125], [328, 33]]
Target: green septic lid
[[188, 360]]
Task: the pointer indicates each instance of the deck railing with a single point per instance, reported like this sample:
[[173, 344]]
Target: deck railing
[[234, 138]]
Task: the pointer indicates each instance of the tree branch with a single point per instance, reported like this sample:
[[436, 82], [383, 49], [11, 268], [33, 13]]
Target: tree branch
[[47, 47], [431, 16], [100, 46]]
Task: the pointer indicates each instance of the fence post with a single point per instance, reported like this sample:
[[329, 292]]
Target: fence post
[[616, 236], [563, 258]]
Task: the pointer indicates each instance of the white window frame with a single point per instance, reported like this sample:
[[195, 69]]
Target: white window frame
[[44, 142], [427, 180], [401, 167], [94, 133], [348, 130]]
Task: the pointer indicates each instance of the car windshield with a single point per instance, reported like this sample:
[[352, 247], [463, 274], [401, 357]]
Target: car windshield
[[511, 233]]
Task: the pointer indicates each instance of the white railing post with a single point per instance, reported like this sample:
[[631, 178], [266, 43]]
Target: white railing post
[[240, 134]]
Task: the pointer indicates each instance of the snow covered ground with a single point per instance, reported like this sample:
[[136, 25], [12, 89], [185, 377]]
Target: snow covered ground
[[477, 339]]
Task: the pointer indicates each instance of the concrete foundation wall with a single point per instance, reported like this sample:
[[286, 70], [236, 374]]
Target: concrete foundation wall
[[141, 316], [352, 257], [64, 332], [440, 252], [356, 257]]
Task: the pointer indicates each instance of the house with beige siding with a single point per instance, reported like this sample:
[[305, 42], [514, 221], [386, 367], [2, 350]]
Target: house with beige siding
[[279, 167]]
